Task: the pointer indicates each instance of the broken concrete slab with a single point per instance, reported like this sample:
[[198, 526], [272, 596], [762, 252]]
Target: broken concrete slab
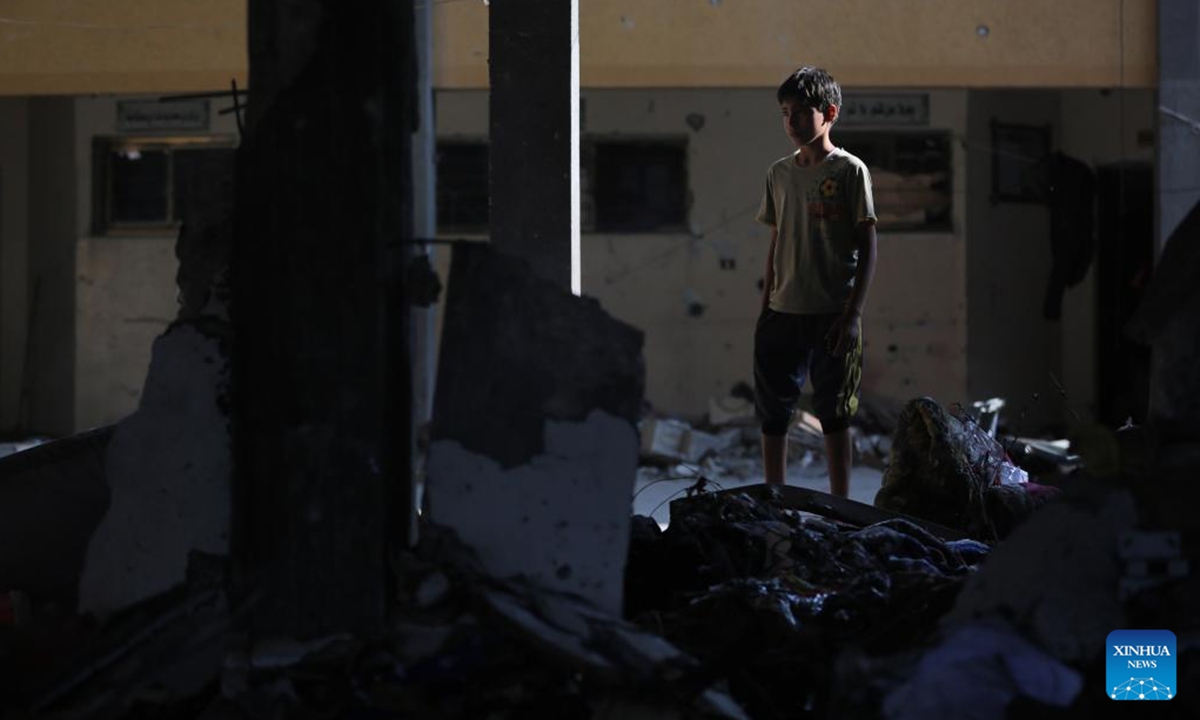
[[562, 520], [534, 441], [663, 438], [532, 351], [168, 467], [698, 444], [667, 440]]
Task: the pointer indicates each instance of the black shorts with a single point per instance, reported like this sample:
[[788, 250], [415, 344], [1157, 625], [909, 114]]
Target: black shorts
[[787, 349]]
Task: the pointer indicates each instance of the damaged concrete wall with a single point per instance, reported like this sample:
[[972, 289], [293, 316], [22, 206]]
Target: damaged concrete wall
[[168, 468], [698, 312], [650, 281], [14, 253], [169, 464], [534, 441], [989, 274]]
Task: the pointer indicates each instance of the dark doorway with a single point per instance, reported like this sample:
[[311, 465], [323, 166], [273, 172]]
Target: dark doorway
[[1125, 257]]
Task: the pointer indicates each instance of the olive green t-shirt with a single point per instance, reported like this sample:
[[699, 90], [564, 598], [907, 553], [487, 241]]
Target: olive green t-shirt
[[816, 210]]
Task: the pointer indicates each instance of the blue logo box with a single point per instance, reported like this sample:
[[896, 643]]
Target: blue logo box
[[1141, 665]]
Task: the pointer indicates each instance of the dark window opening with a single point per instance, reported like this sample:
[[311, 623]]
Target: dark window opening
[[626, 186], [635, 186], [145, 185], [911, 176], [462, 186]]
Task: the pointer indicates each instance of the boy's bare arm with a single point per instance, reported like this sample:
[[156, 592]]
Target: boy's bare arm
[[769, 274], [846, 330], [864, 236]]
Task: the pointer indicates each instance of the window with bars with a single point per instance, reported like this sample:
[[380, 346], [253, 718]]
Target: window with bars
[[145, 184], [635, 185], [462, 186], [626, 185], [911, 175]]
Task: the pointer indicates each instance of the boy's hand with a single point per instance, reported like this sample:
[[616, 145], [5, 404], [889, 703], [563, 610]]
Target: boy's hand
[[843, 334]]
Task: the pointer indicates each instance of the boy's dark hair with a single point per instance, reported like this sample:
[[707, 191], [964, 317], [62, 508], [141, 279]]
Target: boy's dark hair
[[811, 86]]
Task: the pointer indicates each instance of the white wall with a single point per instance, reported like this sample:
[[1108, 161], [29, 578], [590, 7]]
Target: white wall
[[917, 305], [1012, 348], [104, 299], [14, 254], [916, 321]]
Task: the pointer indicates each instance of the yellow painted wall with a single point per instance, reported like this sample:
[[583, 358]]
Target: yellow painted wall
[[121, 46], [751, 43], [127, 46]]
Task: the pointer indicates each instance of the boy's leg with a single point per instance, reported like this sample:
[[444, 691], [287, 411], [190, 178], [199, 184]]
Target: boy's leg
[[778, 377], [835, 400], [838, 457], [774, 452]]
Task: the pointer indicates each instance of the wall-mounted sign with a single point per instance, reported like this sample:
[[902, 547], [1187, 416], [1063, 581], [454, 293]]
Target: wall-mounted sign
[[907, 109], [153, 116]]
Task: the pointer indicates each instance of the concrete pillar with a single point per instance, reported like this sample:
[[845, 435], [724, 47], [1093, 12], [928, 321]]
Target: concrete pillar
[[1179, 113], [534, 188], [321, 370]]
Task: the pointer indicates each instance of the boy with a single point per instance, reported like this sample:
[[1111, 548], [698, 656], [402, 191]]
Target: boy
[[819, 207]]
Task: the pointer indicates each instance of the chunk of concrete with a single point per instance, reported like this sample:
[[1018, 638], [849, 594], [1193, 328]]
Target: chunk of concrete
[[534, 440], [168, 468], [663, 439]]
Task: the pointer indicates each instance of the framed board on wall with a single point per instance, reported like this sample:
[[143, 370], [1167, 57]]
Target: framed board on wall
[[1016, 151]]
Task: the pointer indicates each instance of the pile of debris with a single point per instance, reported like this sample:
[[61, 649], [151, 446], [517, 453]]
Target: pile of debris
[[768, 597], [464, 645], [725, 443], [744, 607]]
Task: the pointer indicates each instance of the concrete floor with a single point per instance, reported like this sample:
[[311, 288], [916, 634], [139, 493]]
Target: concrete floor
[[656, 487]]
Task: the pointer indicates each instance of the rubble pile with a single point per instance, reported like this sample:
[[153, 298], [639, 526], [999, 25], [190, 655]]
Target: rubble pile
[[463, 645], [768, 597], [724, 445]]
